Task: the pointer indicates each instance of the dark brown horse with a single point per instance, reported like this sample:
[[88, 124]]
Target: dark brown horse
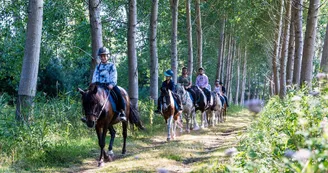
[[99, 113], [170, 113]]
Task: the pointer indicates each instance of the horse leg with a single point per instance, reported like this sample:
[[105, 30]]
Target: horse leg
[[187, 115], [169, 123], [111, 142], [125, 134], [195, 125], [101, 133]]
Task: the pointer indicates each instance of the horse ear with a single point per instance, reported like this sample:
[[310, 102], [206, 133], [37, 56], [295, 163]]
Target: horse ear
[[81, 91], [94, 89]]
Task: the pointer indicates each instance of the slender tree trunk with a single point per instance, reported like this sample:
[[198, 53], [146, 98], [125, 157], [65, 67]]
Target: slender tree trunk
[[275, 57], [243, 83], [324, 58], [189, 38], [96, 32], [227, 61], [309, 43], [199, 34], [238, 61], [249, 88], [298, 41], [291, 49], [220, 49], [284, 51], [264, 89], [230, 72], [132, 53], [29, 75], [153, 51], [174, 37], [222, 63]]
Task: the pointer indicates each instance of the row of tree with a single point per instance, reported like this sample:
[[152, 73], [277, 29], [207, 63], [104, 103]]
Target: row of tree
[[244, 39]]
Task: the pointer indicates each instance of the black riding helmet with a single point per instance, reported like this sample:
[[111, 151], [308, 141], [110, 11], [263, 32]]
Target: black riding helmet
[[103, 51]]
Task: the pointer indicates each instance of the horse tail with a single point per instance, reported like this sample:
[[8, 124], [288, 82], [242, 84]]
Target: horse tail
[[134, 118]]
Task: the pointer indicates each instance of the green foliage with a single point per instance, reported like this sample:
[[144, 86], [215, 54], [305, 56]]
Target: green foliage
[[296, 124]]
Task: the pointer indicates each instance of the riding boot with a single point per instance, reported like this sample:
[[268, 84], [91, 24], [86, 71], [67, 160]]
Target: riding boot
[[122, 115], [159, 110]]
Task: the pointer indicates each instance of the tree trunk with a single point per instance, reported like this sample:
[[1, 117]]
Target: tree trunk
[[153, 51], [284, 51], [221, 77], [324, 58], [189, 39], [174, 37], [309, 43], [243, 83], [199, 34], [298, 41], [220, 49], [132, 54], [238, 76], [227, 61], [291, 49], [96, 32], [249, 88], [275, 57], [29, 75], [230, 71]]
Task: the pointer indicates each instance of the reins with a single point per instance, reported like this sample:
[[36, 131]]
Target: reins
[[103, 107]]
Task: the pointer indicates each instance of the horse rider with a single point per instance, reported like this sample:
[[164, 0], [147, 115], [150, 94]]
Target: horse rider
[[105, 75], [168, 84], [185, 80], [220, 89], [202, 82]]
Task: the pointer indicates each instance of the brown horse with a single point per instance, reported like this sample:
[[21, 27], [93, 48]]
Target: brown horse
[[100, 114], [170, 113]]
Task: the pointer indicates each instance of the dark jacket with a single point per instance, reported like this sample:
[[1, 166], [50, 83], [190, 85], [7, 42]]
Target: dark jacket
[[169, 85]]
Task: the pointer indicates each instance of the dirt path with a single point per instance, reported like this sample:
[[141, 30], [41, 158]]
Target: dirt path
[[189, 152]]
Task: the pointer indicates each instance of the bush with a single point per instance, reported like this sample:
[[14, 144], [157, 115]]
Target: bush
[[290, 135]]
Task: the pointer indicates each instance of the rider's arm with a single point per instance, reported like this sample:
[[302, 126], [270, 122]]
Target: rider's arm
[[112, 74], [95, 74]]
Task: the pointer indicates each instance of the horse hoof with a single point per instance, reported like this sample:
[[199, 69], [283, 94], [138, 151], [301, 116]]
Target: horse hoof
[[168, 139], [110, 153], [196, 128], [100, 164]]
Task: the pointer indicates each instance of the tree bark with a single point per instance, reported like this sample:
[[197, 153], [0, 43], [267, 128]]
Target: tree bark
[[222, 63], [324, 58], [174, 37], [227, 60], [189, 39], [199, 34], [220, 49], [29, 75], [284, 51], [243, 83], [298, 41], [132, 54], [153, 51], [230, 71], [96, 32], [238, 61], [275, 57], [291, 48], [309, 43], [249, 88]]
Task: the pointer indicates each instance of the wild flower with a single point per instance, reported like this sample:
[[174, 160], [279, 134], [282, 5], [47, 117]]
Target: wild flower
[[302, 155], [321, 76], [231, 151], [296, 98], [162, 170], [289, 153]]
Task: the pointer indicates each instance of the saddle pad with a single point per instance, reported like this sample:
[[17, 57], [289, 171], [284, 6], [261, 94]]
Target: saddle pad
[[112, 100]]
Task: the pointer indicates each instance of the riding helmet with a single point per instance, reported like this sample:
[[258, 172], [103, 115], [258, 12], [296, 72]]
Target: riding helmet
[[168, 73], [103, 51]]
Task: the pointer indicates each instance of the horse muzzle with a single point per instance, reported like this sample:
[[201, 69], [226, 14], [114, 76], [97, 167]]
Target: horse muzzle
[[91, 121]]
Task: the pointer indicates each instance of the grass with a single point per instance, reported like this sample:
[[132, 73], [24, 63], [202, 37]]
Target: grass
[[56, 141]]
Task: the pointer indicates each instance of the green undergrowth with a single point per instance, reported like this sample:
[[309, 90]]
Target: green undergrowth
[[289, 135]]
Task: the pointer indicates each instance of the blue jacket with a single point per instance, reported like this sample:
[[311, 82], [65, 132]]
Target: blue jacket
[[169, 85], [105, 74]]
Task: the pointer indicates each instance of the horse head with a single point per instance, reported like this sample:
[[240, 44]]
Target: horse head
[[93, 101]]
